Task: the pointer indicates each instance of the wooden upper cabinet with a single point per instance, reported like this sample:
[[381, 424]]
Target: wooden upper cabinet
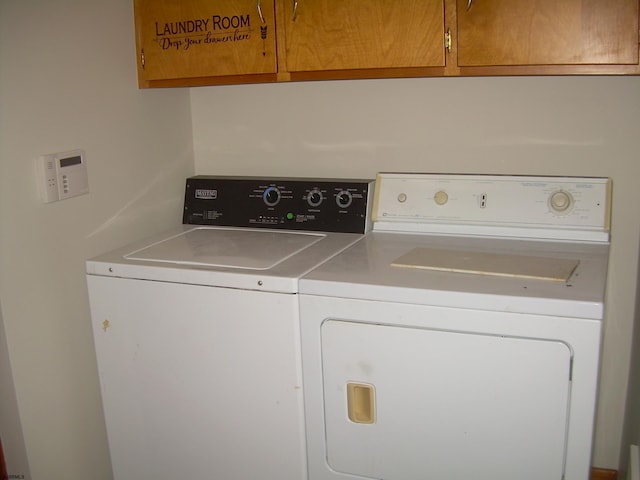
[[547, 32], [186, 42], [204, 42], [334, 35]]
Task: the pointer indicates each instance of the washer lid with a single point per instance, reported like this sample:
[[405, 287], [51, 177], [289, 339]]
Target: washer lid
[[227, 247]]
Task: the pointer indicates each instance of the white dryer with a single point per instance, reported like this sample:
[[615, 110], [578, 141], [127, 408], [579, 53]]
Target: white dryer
[[460, 339], [197, 330]]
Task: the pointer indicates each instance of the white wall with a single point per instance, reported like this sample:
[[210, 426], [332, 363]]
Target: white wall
[[68, 80], [631, 432], [585, 126]]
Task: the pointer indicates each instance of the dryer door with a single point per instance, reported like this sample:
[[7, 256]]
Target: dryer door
[[407, 403]]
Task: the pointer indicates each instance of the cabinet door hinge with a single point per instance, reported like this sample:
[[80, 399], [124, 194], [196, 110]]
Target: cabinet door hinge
[[447, 40]]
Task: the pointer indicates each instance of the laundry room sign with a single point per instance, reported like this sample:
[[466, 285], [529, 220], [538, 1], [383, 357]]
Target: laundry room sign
[[207, 31]]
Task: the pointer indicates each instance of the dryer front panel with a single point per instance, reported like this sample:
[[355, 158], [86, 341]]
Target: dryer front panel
[[408, 392]]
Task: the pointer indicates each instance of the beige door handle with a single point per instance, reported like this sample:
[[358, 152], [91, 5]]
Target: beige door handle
[[361, 402]]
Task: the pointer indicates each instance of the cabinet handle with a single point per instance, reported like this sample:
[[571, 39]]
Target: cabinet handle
[[469, 5], [259, 7], [295, 10]]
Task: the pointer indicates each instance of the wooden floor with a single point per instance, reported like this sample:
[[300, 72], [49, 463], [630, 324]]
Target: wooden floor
[[603, 474]]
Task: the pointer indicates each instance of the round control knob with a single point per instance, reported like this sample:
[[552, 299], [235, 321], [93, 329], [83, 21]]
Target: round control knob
[[271, 196], [402, 197], [560, 201], [314, 198], [344, 199], [441, 197]]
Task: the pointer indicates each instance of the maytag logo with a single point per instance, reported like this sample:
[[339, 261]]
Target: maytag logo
[[206, 194]]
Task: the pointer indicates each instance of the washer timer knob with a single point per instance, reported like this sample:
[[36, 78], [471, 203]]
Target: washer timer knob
[[561, 201], [271, 196], [314, 198], [344, 199]]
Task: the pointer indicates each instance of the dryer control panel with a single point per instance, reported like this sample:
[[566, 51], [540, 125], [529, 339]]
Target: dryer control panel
[[330, 205], [569, 208]]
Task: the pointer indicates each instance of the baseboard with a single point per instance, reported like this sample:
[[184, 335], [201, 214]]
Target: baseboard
[[3, 464], [634, 463], [603, 474]]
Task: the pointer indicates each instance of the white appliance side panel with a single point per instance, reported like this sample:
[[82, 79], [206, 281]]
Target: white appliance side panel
[[447, 405], [199, 382]]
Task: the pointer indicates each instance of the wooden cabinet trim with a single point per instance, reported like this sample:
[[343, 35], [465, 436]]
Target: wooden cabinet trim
[[210, 81], [537, 70], [371, 73]]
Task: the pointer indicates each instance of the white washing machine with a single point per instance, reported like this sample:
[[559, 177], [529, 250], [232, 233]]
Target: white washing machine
[[197, 331], [460, 339]]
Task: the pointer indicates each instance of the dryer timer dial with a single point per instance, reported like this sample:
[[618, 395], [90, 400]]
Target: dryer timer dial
[[561, 202]]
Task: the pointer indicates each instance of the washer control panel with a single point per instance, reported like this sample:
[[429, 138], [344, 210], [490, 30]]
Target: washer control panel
[[568, 203], [331, 205]]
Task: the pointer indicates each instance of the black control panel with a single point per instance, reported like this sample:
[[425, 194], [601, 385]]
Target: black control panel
[[329, 205]]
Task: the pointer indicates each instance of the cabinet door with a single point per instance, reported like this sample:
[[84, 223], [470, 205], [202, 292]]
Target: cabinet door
[[547, 32], [199, 38], [363, 34]]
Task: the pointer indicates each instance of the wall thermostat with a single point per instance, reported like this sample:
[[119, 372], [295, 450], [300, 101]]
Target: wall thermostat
[[62, 175]]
